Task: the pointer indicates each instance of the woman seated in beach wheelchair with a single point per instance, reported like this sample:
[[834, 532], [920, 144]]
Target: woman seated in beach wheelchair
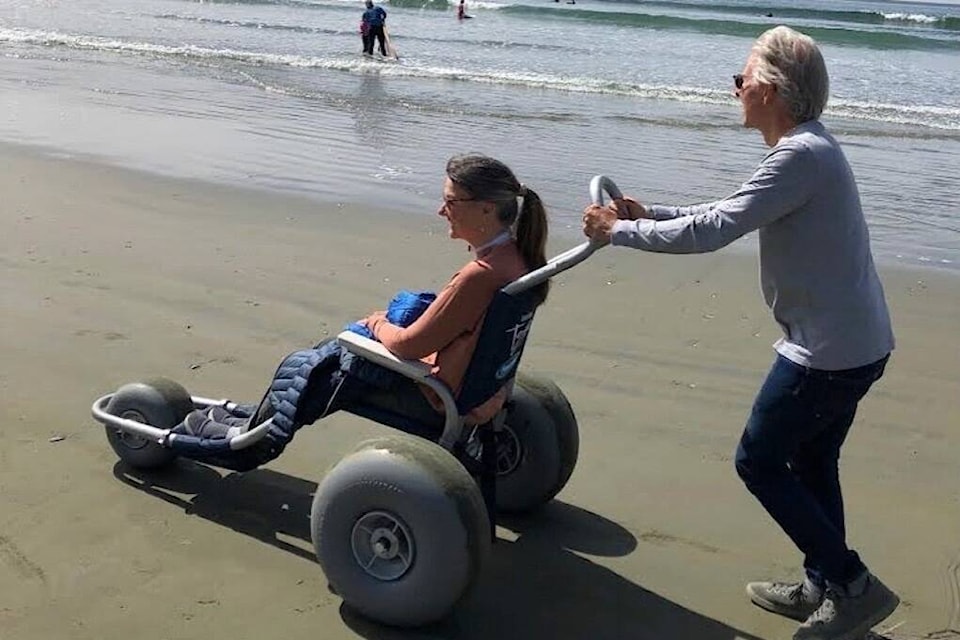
[[402, 525]]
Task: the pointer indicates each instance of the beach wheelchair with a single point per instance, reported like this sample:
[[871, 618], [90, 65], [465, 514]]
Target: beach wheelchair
[[402, 525]]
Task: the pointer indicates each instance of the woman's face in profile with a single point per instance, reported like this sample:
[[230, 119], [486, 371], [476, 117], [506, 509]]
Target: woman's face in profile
[[467, 216]]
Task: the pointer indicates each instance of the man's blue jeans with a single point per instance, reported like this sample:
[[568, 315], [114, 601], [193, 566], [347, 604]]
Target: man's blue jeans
[[788, 457]]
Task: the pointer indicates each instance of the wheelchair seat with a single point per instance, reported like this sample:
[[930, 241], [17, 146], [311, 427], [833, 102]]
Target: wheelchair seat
[[503, 336]]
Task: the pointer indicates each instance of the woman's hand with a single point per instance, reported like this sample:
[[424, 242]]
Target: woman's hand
[[370, 322]]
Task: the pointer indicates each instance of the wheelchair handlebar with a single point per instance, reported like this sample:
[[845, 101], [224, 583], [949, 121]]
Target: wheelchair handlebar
[[570, 257], [598, 185]]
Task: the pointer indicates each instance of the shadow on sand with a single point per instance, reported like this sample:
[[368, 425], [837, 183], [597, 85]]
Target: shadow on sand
[[536, 586]]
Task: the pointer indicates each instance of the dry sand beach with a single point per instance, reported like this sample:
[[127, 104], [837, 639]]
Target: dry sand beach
[[110, 276]]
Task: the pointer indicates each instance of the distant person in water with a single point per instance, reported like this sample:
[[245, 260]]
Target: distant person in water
[[375, 18], [365, 32], [462, 11]]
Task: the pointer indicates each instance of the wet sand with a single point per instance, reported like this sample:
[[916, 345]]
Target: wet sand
[[111, 276]]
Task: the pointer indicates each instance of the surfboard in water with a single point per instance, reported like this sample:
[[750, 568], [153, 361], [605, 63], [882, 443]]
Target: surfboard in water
[[391, 50]]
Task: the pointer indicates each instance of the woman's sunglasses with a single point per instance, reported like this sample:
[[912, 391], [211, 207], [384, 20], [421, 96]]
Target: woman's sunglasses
[[738, 80]]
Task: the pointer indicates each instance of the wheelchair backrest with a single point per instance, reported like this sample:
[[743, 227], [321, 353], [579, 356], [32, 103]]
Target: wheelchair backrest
[[503, 336]]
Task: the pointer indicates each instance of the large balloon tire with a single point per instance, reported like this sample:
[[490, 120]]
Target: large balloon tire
[[160, 403], [564, 421], [400, 530], [528, 461]]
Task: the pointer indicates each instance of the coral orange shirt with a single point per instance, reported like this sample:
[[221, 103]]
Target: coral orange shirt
[[446, 335]]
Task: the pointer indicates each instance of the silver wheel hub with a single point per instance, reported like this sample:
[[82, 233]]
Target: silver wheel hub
[[509, 449], [132, 440], [382, 545]]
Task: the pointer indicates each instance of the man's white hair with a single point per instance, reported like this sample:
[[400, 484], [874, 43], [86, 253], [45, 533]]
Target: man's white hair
[[792, 62]]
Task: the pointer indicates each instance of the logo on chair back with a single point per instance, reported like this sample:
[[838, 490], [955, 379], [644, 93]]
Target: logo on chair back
[[519, 333]]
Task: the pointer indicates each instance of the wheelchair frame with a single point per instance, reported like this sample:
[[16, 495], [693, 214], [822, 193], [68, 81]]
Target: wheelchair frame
[[377, 353], [398, 508]]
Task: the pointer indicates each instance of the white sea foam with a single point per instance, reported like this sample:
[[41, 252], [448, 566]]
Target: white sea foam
[[911, 17], [945, 118], [276, 93]]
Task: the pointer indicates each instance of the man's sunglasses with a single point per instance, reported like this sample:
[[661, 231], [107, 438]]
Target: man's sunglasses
[[738, 80]]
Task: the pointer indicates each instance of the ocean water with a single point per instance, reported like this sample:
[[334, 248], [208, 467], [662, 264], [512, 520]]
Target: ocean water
[[275, 94]]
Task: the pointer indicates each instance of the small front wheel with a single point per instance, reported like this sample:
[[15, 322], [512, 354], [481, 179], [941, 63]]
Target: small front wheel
[[160, 403]]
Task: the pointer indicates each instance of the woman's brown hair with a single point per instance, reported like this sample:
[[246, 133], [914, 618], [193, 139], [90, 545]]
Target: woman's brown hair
[[488, 179]]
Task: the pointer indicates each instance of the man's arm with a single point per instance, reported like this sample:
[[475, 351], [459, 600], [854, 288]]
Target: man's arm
[[784, 181]]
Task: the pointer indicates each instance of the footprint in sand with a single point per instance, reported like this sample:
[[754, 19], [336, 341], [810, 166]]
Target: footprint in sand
[[11, 556]]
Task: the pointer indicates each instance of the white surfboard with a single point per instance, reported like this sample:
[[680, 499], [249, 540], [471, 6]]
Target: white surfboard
[[391, 51]]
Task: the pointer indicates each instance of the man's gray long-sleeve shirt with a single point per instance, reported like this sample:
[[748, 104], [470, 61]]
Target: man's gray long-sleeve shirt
[[816, 270]]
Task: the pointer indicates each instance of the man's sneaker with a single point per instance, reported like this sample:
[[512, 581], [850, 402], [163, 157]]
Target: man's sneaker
[[844, 616], [795, 600]]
